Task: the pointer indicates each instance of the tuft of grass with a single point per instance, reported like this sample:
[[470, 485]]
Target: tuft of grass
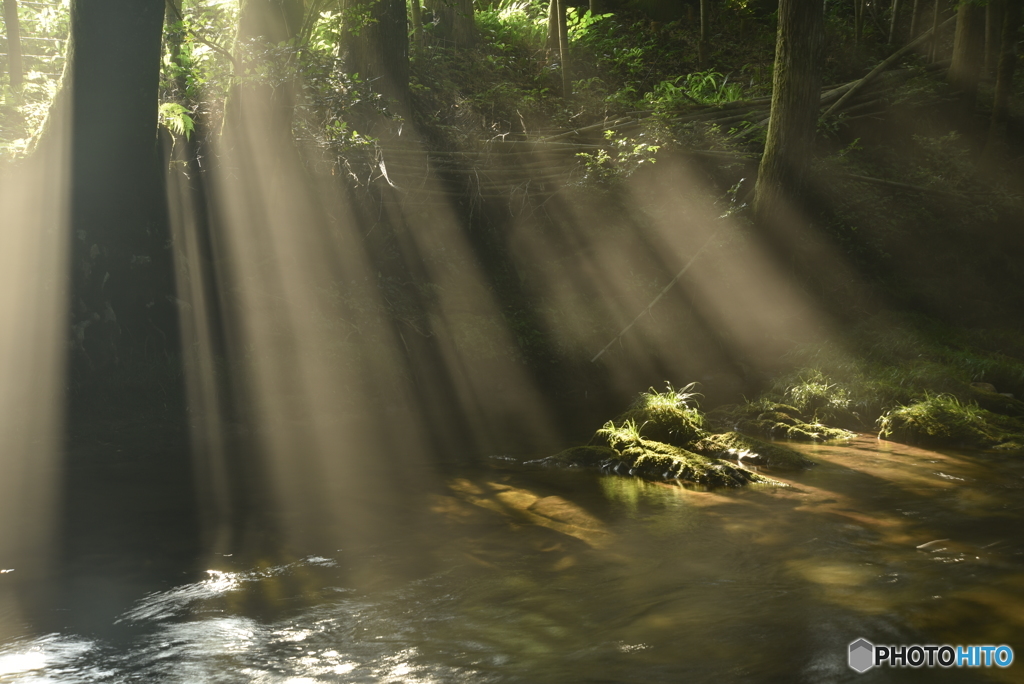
[[944, 420]]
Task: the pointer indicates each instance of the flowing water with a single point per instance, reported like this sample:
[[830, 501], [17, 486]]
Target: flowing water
[[539, 575]]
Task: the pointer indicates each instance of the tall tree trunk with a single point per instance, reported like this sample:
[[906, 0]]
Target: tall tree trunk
[[933, 52], [563, 49], [552, 38], [858, 21], [1013, 12], [968, 55], [455, 21], [894, 20], [915, 19], [122, 265], [796, 93], [994, 11], [416, 11], [702, 44], [14, 65], [379, 50]]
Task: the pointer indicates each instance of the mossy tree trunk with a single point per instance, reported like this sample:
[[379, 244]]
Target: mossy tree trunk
[[968, 55], [796, 92], [416, 13], [122, 274]]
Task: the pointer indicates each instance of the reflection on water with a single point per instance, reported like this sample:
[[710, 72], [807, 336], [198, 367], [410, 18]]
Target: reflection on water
[[569, 576]]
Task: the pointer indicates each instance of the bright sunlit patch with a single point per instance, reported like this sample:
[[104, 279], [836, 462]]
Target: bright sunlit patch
[[34, 240], [21, 663]]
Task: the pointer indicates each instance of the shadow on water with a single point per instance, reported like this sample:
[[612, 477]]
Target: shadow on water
[[520, 573]]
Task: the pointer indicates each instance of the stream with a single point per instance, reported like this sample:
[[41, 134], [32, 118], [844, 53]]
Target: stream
[[541, 575]]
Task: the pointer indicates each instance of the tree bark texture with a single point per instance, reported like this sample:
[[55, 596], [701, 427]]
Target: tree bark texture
[[122, 264], [968, 54], [14, 64], [796, 93]]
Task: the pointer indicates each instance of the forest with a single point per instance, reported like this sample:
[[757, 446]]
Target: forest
[[286, 277]]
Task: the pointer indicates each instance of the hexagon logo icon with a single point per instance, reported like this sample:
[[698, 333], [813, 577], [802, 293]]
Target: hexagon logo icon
[[862, 655]]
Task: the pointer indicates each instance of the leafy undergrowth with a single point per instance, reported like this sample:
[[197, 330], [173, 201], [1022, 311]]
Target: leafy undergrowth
[[912, 381], [662, 437]]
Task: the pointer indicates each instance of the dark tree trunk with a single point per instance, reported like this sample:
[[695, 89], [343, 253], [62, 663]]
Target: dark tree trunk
[[968, 55], [552, 38], [858, 21], [933, 52], [379, 50], [993, 31], [122, 277], [796, 93], [563, 50], [894, 20], [14, 66], [455, 21], [915, 19], [702, 44], [1012, 18], [416, 11]]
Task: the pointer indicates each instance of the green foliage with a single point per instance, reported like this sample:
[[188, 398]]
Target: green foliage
[[44, 31], [623, 156], [176, 119], [702, 87], [578, 25], [512, 23]]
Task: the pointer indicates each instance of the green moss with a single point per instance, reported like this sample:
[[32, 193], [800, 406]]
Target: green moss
[[775, 420], [658, 461], [995, 402], [944, 420], [751, 451]]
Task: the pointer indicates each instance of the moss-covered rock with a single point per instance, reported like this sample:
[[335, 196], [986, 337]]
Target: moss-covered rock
[[994, 401], [658, 461], [751, 451], [944, 420], [774, 420], [654, 460]]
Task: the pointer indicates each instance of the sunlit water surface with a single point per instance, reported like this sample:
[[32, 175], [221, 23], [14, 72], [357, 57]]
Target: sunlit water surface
[[568, 576]]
